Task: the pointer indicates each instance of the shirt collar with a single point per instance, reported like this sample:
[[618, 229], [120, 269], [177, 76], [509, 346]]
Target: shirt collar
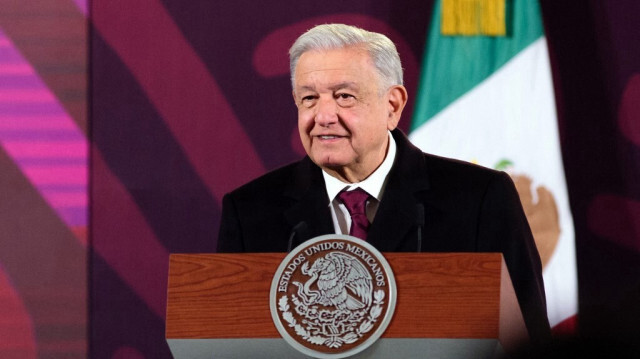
[[374, 184]]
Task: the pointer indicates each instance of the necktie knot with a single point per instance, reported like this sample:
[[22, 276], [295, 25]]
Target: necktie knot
[[356, 203]]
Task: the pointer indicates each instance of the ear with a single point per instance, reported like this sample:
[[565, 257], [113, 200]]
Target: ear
[[397, 99], [295, 100]]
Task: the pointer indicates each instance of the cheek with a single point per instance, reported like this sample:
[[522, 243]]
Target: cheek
[[303, 135], [305, 123], [372, 132]]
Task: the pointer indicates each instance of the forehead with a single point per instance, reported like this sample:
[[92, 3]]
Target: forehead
[[326, 67]]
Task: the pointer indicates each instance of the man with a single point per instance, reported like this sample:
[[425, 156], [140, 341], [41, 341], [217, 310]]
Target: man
[[347, 85]]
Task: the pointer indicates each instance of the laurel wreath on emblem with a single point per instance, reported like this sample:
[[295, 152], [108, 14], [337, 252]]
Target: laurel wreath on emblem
[[344, 284], [338, 339]]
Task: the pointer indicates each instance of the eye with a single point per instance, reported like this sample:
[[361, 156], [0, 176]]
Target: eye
[[345, 99], [308, 100]]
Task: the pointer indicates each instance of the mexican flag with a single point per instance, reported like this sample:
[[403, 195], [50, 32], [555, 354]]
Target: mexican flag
[[489, 100]]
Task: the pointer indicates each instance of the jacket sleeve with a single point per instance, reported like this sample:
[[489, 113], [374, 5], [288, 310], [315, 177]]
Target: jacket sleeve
[[503, 227], [230, 235]]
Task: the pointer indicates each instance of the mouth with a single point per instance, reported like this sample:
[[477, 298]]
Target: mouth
[[328, 137]]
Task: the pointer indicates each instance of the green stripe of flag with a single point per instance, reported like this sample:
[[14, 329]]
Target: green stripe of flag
[[453, 65]]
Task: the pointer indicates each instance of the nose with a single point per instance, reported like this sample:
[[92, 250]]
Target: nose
[[326, 112]]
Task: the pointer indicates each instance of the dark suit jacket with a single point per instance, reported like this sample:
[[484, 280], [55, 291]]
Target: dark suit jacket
[[467, 208]]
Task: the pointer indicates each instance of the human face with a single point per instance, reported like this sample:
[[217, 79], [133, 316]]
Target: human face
[[343, 115]]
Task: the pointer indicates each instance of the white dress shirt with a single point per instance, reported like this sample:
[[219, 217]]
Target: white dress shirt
[[373, 185]]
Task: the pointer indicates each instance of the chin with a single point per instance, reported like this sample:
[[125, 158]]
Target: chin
[[334, 158], [331, 163]]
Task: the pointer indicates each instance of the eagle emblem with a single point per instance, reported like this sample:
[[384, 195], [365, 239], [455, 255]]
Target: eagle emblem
[[341, 281], [332, 295]]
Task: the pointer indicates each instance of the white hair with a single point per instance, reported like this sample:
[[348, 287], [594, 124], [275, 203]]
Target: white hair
[[382, 51]]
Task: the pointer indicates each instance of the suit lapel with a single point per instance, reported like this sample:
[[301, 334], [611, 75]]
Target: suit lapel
[[394, 221], [310, 202], [395, 225]]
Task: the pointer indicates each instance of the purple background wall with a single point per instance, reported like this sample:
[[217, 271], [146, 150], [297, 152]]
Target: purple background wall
[[189, 99], [596, 64], [43, 179]]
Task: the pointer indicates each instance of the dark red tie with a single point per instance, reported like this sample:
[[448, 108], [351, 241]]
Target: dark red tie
[[356, 203]]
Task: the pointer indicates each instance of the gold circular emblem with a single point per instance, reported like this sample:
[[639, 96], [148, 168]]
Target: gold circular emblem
[[333, 296]]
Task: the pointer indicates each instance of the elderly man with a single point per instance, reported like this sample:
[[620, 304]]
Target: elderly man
[[361, 176]]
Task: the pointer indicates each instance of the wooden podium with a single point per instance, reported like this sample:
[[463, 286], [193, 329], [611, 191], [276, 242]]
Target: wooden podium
[[450, 305]]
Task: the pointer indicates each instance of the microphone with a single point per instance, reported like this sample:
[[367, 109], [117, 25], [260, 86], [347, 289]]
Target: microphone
[[419, 223], [301, 226]]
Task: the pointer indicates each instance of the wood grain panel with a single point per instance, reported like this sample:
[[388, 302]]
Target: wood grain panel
[[455, 295]]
